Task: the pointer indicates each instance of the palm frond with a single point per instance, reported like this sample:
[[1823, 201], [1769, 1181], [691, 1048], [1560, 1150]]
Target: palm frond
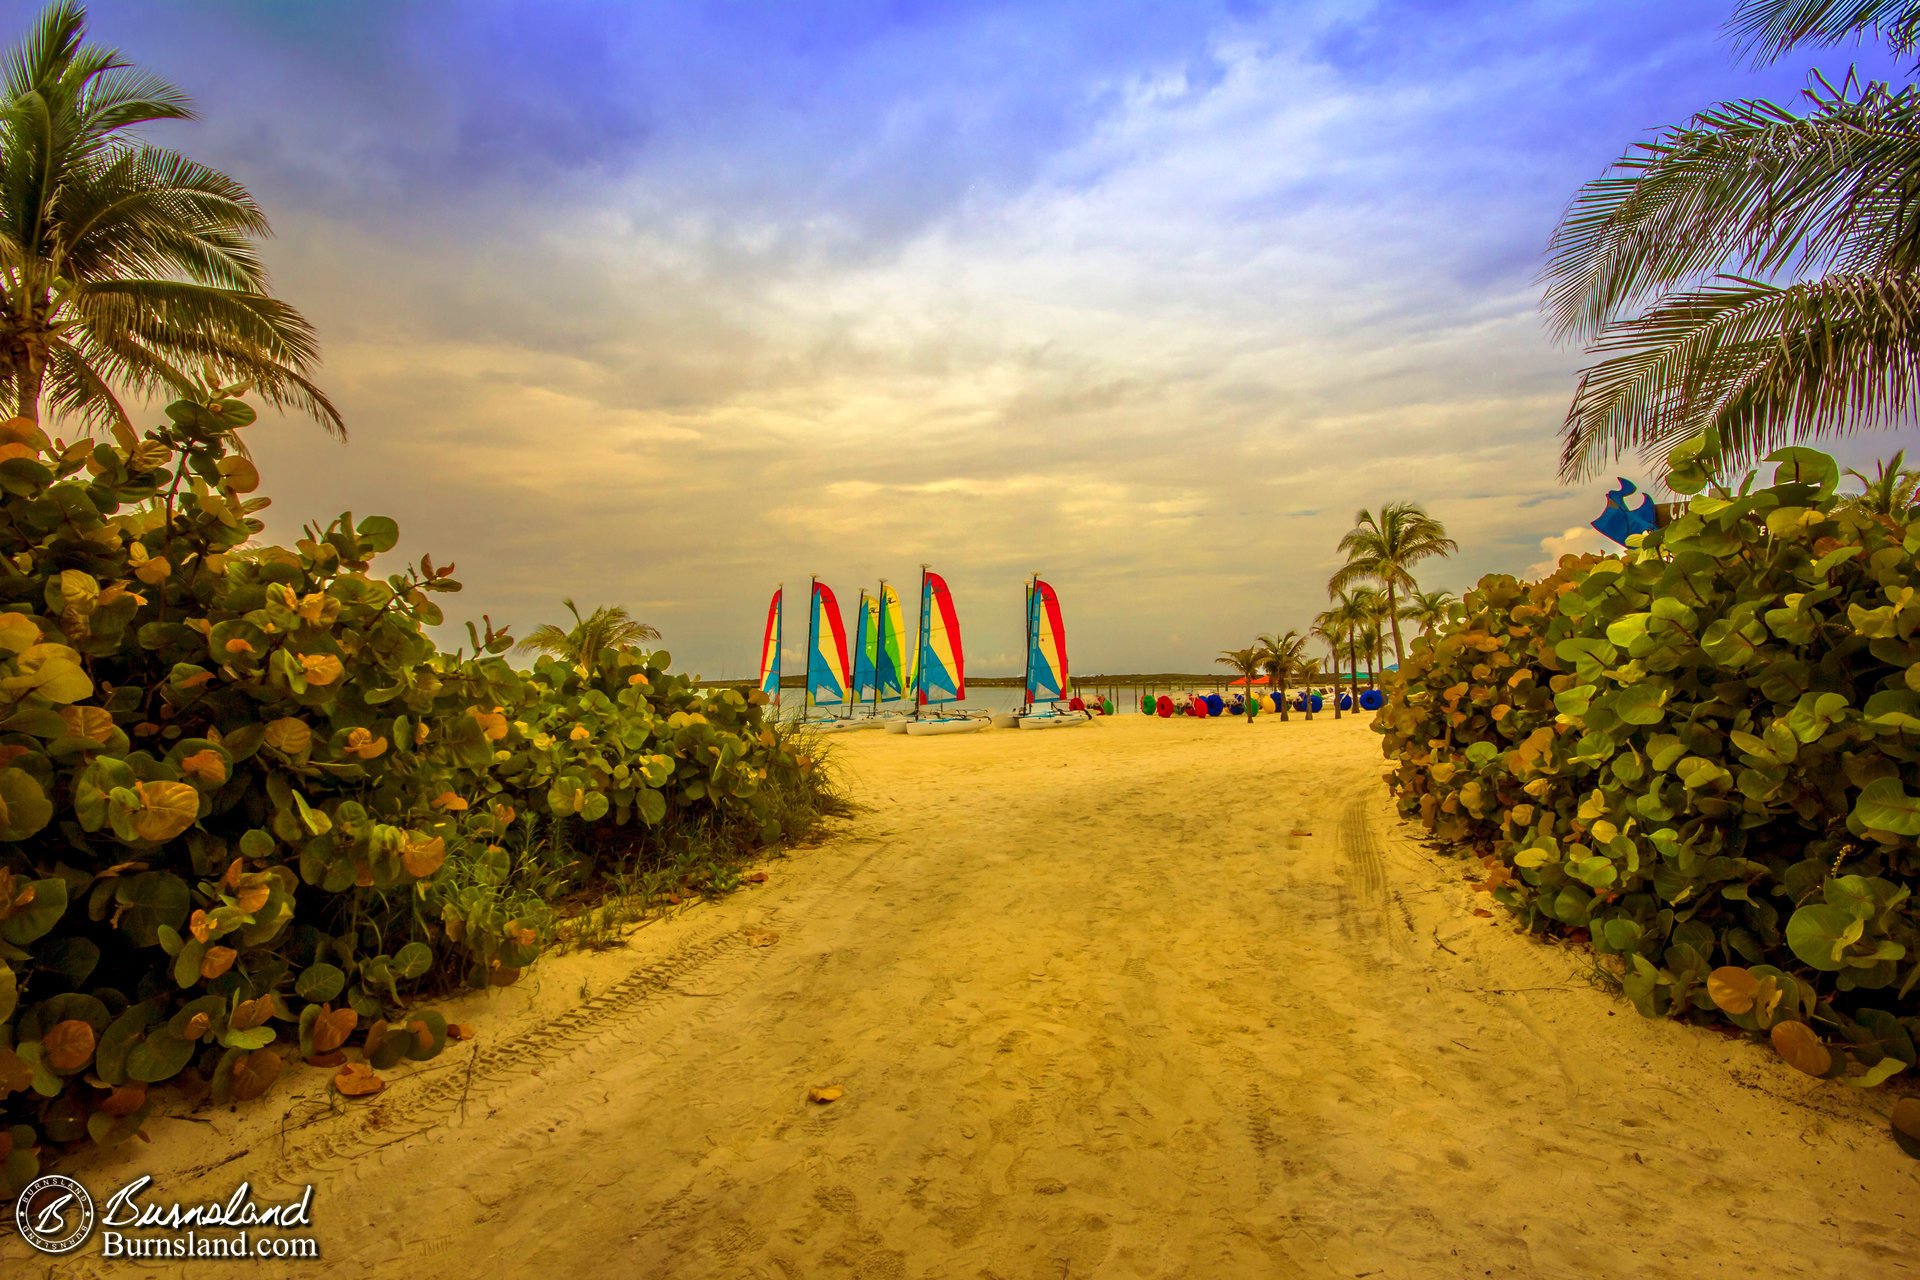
[[1746, 186], [1763, 364], [1766, 29]]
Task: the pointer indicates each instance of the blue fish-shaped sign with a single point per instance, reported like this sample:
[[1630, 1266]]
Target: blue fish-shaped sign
[[1619, 521]]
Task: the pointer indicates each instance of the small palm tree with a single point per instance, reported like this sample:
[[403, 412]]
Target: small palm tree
[[1429, 609], [1280, 656], [1350, 612], [1382, 547], [1371, 634], [608, 627], [1247, 662], [1308, 671], [124, 265], [1891, 490], [1330, 630]]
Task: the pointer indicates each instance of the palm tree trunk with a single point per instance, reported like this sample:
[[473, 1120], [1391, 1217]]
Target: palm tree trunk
[[1353, 656], [1283, 699], [1393, 617], [33, 375]]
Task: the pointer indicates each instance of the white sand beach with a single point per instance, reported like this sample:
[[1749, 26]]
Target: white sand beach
[[1150, 998]]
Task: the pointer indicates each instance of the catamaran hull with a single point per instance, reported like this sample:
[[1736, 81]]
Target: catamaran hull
[[1006, 720], [896, 726], [841, 726], [1070, 720], [926, 728]]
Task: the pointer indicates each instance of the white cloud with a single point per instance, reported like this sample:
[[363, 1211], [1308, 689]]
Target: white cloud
[[1165, 370], [1578, 540]]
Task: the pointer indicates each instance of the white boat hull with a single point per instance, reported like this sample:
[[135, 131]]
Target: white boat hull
[[927, 728], [896, 726], [840, 726], [1063, 720], [1006, 720]]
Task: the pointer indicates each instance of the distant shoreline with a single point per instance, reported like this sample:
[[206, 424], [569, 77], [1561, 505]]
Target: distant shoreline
[[1162, 680]]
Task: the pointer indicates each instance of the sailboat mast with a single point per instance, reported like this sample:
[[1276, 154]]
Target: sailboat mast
[[920, 661], [813, 625], [853, 663], [1026, 674], [779, 638], [880, 638]]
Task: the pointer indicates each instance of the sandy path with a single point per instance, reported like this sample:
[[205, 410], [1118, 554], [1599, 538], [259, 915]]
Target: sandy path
[[1145, 999]]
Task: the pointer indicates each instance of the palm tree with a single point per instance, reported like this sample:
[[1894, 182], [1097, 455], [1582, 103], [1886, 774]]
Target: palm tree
[[1350, 612], [1330, 630], [1280, 656], [1247, 662], [1891, 490], [1309, 671], [1755, 271], [1429, 609], [124, 265], [608, 627], [1372, 605], [1383, 547]]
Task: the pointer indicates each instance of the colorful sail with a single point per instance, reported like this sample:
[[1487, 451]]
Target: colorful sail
[[1047, 634], [943, 672], [827, 655], [893, 653], [770, 649], [866, 649]]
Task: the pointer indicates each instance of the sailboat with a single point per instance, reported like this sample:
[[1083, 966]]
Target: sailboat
[[866, 671], [895, 658], [770, 650], [940, 671], [828, 681], [1046, 664]]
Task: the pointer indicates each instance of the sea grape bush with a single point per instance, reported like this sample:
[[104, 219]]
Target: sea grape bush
[[1705, 755], [248, 808]]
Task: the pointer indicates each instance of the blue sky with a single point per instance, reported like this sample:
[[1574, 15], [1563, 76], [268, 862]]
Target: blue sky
[[663, 303]]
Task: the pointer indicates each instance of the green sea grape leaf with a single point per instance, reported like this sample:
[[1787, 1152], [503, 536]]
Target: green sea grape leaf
[[1572, 703], [1800, 466], [1876, 1075], [1819, 934], [25, 924], [1641, 704], [148, 900], [1884, 805], [1814, 714]]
